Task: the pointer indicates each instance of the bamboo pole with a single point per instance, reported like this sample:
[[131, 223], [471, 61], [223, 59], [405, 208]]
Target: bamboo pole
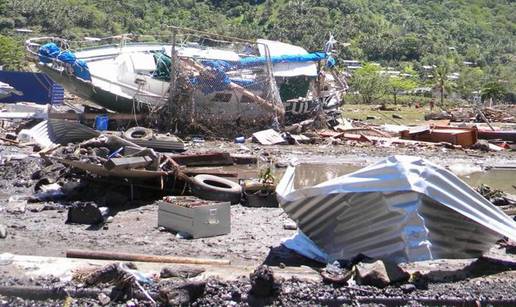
[[89, 254]]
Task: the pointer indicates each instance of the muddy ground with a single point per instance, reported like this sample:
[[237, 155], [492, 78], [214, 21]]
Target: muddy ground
[[256, 233]]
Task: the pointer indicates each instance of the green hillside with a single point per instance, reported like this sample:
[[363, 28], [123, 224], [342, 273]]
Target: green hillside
[[393, 33]]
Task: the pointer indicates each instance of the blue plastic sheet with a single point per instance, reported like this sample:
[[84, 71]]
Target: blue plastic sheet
[[80, 69], [50, 51], [216, 81], [67, 56], [301, 58], [331, 62]]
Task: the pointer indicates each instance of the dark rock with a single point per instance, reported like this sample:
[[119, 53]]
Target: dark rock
[[87, 213], [419, 280], [379, 273], [334, 274], [500, 201], [397, 116], [481, 145], [182, 294], [262, 281], [510, 247], [182, 272], [36, 175], [236, 295]]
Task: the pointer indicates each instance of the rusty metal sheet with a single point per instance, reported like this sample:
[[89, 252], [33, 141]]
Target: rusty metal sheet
[[457, 136]]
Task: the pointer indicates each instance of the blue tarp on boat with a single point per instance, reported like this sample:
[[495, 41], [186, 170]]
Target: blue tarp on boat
[[50, 51], [300, 58]]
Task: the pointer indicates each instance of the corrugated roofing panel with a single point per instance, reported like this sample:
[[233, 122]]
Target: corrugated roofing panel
[[402, 209]]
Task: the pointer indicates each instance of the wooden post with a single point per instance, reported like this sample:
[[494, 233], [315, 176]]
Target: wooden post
[[172, 89]]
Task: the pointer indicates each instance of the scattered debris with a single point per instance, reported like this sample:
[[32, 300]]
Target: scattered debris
[[132, 162], [87, 213], [268, 137]]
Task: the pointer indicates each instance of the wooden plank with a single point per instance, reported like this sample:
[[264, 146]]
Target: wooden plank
[[102, 171], [88, 254], [127, 163], [193, 173]]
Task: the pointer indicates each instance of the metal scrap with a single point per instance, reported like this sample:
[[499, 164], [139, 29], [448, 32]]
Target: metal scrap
[[401, 209]]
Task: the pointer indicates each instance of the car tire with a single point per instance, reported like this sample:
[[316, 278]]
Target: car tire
[[215, 188], [138, 133]]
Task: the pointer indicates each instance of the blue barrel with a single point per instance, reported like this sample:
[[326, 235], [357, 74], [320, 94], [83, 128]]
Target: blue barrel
[[101, 122]]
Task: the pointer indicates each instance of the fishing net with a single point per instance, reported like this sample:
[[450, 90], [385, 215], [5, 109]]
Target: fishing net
[[223, 83]]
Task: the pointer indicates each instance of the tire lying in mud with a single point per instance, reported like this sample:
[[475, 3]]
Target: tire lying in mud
[[215, 188], [138, 133]]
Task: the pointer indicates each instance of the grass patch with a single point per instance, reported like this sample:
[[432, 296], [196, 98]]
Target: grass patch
[[410, 115]]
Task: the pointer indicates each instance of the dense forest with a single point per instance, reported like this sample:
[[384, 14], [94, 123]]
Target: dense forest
[[396, 33]]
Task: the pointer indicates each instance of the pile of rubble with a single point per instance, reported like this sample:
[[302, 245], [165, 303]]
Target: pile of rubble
[[92, 172], [500, 114]]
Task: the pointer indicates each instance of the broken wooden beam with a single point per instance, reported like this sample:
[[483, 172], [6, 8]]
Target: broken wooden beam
[[244, 159], [193, 173], [88, 254], [203, 159], [46, 293], [128, 162]]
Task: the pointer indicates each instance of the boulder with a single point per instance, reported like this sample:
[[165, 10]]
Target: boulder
[[379, 273]]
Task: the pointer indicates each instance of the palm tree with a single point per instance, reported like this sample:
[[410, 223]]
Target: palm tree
[[441, 80]]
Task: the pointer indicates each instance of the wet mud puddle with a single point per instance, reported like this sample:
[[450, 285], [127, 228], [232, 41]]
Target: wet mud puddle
[[310, 174]]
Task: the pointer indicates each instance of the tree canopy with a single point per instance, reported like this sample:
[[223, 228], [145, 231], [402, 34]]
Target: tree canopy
[[11, 53]]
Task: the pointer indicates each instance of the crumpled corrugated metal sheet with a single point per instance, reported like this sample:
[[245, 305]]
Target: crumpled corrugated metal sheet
[[401, 208], [63, 131], [57, 131]]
